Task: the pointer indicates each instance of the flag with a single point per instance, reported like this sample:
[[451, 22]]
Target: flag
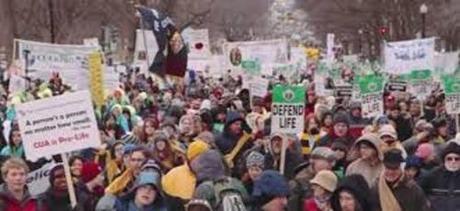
[[171, 57]]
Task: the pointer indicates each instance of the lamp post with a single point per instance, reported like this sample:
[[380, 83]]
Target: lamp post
[[423, 11]]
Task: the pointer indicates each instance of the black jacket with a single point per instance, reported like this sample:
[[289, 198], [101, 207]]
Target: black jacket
[[443, 189]]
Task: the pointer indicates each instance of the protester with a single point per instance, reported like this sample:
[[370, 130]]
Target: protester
[[91, 186], [76, 165], [396, 192], [352, 194], [340, 130], [442, 185], [255, 165], [57, 195], [369, 164], [323, 185], [15, 147], [310, 136]]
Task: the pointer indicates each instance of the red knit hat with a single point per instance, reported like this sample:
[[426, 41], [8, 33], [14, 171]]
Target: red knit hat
[[90, 171]]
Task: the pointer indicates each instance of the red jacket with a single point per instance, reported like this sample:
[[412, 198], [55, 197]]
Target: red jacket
[[310, 205], [9, 203]]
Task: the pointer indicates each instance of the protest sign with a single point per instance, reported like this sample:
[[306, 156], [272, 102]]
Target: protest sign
[[38, 180], [397, 85], [446, 63], [288, 109], [330, 54], [264, 52], [259, 87], [371, 92], [343, 90], [420, 83], [96, 78], [405, 56], [58, 125], [197, 41], [45, 58], [111, 78], [451, 85], [93, 42]]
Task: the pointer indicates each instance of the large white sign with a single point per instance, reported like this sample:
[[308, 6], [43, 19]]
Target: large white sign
[[58, 125], [197, 41], [143, 57], [404, 56], [288, 109], [45, 58], [263, 53], [38, 181]]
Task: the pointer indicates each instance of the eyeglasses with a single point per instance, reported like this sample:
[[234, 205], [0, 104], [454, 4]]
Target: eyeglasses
[[456, 159]]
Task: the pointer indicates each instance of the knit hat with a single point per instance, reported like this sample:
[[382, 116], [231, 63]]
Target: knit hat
[[196, 148], [323, 153], [388, 130], [255, 159], [53, 171], [271, 184], [147, 178], [452, 147], [424, 150], [341, 117], [413, 162], [89, 171], [393, 158], [325, 179], [340, 144]]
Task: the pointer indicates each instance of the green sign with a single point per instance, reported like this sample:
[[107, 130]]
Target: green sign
[[288, 94], [288, 109], [451, 84], [251, 66], [370, 84]]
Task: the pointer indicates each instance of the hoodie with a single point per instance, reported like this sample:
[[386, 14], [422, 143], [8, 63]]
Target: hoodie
[[369, 171]]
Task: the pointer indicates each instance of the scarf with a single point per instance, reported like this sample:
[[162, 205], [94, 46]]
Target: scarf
[[386, 196], [239, 145]]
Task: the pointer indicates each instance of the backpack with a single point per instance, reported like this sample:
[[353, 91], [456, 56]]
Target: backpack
[[227, 195]]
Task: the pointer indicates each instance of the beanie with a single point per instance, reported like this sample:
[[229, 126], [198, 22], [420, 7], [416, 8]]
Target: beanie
[[341, 117], [452, 147], [424, 150], [413, 162], [196, 148], [255, 159], [89, 171], [271, 184]]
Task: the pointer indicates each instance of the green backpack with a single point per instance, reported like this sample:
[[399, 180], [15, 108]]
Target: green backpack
[[228, 195]]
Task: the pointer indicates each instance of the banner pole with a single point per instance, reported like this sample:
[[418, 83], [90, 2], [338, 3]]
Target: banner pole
[[68, 176]]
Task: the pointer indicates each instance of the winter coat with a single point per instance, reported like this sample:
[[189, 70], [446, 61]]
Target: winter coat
[[181, 188], [13, 151], [227, 141], [369, 171], [442, 188], [53, 201], [329, 139], [86, 200], [409, 195], [9, 203]]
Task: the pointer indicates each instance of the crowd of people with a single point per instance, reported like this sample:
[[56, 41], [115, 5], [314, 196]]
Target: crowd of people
[[203, 145]]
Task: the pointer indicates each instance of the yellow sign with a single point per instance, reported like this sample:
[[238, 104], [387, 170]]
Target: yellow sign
[[96, 78]]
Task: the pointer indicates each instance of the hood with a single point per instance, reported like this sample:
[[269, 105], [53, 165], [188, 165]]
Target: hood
[[374, 140], [356, 185], [208, 166]]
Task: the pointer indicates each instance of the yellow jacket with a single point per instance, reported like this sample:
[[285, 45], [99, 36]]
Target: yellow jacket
[[179, 182]]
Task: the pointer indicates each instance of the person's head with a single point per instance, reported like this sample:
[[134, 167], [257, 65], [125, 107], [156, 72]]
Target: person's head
[[403, 106], [425, 151], [388, 135], [394, 112], [276, 143], [340, 148], [352, 194], [145, 189], [323, 184], [234, 123], [137, 157], [150, 125], [341, 124], [76, 164], [368, 147], [322, 158], [186, 124], [270, 191], [160, 142], [412, 168], [15, 137], [355, 109], [14, 173], [117, 151], [348, 201], [57, 178], [451, 157], [312, 125], [441, 127], [392, 160], [415, 108], [327, 120], [255, 163], [92, 174]]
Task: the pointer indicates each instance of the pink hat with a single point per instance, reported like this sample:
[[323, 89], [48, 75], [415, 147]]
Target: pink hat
[[424, 150]]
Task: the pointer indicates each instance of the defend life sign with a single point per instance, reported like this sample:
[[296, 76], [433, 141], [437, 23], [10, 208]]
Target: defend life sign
[[288, 109], [58, 125]]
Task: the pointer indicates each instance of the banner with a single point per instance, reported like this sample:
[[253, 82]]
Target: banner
[[38, 181], [57, 125], [288, 109], [451, 85], [46, 58], [404, 56], [264, 53], [96, 78], [371, 89], [144, 57], [420, 83]]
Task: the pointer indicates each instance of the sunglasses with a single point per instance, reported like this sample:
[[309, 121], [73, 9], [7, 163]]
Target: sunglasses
[[453, 159]]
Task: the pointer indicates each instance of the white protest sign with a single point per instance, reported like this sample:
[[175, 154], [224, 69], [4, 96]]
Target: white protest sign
[[451, 85], [111, 78], [68, 60], [197, 41], [330, 54], [263, 53], [446, 63], [404, 56], [420, 83], [259, 87], [38, 180], [371, 93], [58, 125], [17, 84], [288, 109], [143, 57]]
